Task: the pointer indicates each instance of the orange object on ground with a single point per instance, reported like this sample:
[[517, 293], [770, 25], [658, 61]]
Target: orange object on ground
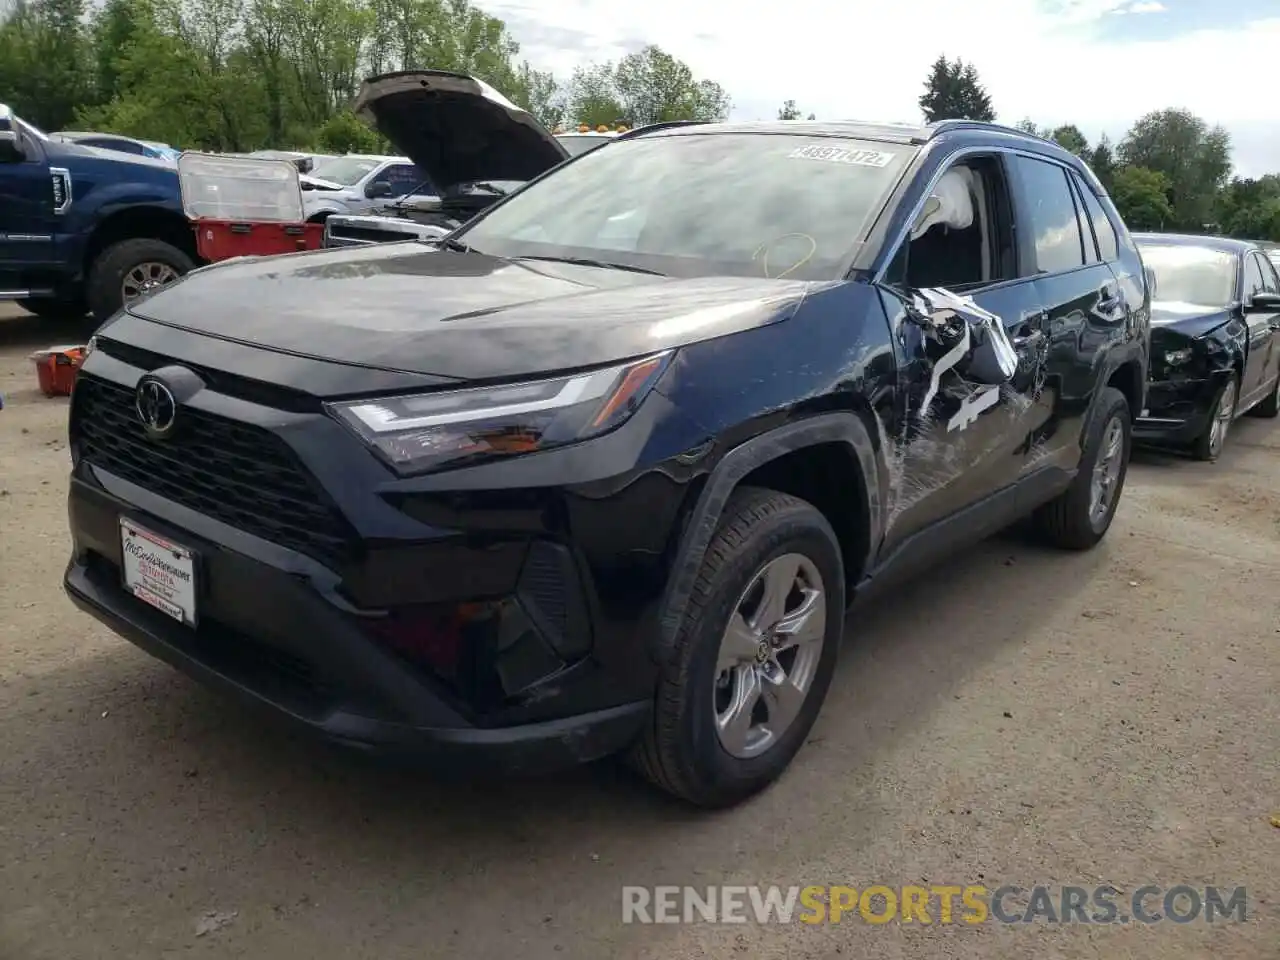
[[222, 239], [56, 369]]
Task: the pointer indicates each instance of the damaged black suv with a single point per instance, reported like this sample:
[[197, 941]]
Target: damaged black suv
[[601, 471]]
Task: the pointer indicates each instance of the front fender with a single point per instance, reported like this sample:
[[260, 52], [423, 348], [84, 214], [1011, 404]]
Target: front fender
[[841, 427]]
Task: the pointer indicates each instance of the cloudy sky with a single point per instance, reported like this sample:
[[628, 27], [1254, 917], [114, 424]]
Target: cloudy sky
[[1096, 63]]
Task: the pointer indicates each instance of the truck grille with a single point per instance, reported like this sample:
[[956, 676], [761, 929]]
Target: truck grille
[[234, 472]]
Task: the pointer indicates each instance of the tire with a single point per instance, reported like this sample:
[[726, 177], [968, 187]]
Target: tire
[[1208, 446], [1070, 520], [682, 751], [107, 273], [55, 308], [1269, 407]]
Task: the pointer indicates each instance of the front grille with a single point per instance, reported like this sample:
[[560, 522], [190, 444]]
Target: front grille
[[234, 472]]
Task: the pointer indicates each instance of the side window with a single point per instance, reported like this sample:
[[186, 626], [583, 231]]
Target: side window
[[1270, 280], [1252, 276], [1050, 213], [1103, 229], [962, 238], [403, 177]]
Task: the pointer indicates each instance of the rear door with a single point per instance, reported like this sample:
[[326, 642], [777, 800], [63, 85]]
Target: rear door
[[1081, 296], [1257, 368]]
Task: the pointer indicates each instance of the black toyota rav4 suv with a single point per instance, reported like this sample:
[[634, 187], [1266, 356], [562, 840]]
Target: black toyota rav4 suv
[[600, 471]]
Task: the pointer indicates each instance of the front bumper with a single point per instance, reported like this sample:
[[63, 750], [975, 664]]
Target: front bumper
[[276, 630], [1178, 411], [307, 662]]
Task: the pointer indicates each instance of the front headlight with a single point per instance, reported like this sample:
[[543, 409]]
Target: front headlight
[[1176, 358], [422, 431]]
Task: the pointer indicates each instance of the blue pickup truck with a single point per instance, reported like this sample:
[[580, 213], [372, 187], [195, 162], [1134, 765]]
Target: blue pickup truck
[[84, 230]]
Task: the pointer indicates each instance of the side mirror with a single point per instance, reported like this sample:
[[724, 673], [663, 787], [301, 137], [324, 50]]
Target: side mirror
[[10, 147], [1263, 303], [378, 190], [977, 346]]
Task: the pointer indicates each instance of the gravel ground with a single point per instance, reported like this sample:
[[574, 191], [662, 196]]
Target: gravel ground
[[1018, 716]]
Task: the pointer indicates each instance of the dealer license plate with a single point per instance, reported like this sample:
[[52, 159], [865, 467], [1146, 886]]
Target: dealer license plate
[[159, 572]]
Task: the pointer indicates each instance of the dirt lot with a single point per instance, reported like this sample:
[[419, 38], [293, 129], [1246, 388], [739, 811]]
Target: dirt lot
[[1020, 717]]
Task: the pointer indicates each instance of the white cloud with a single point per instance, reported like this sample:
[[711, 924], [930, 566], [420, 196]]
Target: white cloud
[[1147, 6], [867, 59]]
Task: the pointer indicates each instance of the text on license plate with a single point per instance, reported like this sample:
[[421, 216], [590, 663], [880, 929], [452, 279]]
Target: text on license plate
[[158, 571]]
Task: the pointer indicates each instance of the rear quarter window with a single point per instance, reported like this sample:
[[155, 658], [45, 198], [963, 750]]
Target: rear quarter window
[[1103, 229]]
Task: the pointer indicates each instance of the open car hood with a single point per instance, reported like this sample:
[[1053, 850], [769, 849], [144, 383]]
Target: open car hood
[[457, 128]]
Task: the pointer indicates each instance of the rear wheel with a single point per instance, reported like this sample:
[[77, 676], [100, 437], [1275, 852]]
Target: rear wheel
[[130, 268], [1081, 515], [1209, 444], [754, 655]]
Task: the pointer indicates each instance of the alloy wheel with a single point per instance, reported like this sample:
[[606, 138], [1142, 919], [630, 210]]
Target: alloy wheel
[[1106, 470], [1222, 416], [768, 655], [144, 278]]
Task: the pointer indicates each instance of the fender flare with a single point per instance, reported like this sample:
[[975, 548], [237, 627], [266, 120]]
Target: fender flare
[[847, 428], [1113, 360]]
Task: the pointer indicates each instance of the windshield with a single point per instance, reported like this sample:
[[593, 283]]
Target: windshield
[[1190, 274], [345, 171], [581, 143], [741, 204]]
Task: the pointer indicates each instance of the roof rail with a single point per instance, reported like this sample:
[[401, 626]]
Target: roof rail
[[660, 125], [943, 126]]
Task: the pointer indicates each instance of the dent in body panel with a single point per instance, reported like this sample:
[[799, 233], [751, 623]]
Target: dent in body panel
[[931, 445]]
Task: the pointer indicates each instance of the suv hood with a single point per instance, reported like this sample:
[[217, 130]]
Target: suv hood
[[456, 128], [421, 309]]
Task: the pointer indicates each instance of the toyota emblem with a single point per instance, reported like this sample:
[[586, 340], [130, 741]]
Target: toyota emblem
[[156, 407]]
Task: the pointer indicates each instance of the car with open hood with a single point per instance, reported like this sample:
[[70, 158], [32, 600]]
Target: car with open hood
[[1215, 339], [474, 144], [600, 471]]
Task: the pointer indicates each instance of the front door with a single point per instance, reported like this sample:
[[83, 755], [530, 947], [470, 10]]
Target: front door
[[1259, 368], [958, 442], [26, 212]]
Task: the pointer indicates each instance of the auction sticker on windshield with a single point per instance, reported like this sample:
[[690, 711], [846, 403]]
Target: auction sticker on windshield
[[159, 572], [857, 158]]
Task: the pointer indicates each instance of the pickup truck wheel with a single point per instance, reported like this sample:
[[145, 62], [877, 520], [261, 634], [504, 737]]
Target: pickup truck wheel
[[754, 654], [130, 268], [1080, 516], [55, 308], [1210, 443]]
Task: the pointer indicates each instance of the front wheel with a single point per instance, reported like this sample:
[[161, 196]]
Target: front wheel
[[1080, 516], [1208, 446], [754, 654], [129, 269]]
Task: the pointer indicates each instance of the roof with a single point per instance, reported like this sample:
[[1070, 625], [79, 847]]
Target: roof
[[903, 133], [1225, 244]]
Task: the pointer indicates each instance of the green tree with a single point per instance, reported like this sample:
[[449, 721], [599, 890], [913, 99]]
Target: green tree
[[952, 91], [1069, 137], [344, 133], [653, 86], [591, 97], [1027, 125], [1250, 209], [1194, 158], [1102, 161], [1141, 196]]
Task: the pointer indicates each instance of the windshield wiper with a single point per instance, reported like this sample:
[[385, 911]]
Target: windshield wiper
[[604, 264], [448, 243]]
